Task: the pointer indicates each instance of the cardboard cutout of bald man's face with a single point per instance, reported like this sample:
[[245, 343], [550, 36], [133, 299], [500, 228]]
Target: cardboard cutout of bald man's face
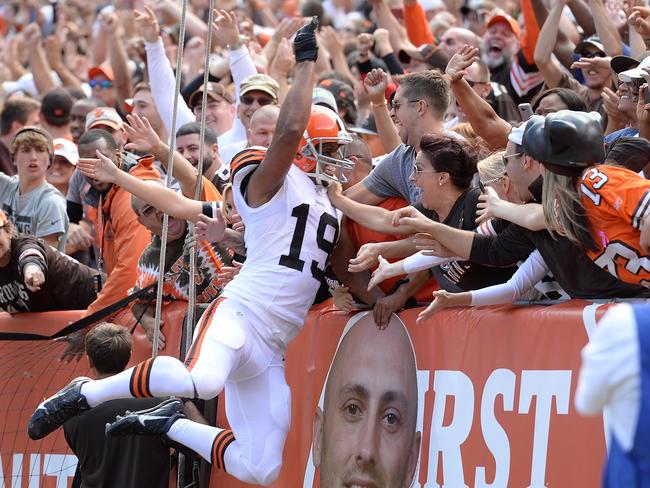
[[366, 434]]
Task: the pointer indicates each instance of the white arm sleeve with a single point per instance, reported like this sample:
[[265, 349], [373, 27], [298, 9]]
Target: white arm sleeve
[[163, 83], [241, 67], [418, 262], [530, 272]]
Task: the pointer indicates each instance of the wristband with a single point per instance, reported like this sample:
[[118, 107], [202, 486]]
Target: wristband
[[377, 105]]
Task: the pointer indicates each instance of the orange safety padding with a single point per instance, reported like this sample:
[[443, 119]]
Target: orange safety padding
[[31, 370], [470, 343]]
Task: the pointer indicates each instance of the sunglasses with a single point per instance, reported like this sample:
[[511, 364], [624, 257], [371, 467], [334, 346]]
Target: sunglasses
[[417, 171], [596, 54], [396, 105], [100, 83], [505, 157], [473, 83], [248, 100]]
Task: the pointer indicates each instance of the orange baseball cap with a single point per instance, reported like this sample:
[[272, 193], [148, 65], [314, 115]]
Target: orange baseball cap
[[104, 70], [503, 17]]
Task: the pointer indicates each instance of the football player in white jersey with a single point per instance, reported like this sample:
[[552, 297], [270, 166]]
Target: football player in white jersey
[[238, 345]]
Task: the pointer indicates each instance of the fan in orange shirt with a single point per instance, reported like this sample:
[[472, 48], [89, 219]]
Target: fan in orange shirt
[[602, 208]]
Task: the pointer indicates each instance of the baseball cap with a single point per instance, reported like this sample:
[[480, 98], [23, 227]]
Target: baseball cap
[[623, 63], [593, 41], [66, 149], [104, 116], [516, 135], [632, 153], [216, 91], [369, 127], [56, 106], [637, 72], [344, 96], [105, 70], [503, 17], [260, 82], [428, 53], [320, 96]]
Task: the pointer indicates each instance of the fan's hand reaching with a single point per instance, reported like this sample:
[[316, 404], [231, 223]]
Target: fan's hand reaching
[[100, 169], [210, 229]]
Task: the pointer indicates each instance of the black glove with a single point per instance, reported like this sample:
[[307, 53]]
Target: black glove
[[305, 46]]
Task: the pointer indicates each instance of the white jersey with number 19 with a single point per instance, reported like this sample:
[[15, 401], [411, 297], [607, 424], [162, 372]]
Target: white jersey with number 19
[[288, 241]]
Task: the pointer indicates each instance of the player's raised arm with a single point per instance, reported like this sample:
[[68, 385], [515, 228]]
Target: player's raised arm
[[292, 122]]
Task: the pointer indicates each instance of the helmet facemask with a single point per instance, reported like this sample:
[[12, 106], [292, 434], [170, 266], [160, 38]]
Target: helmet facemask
[[322, 172]]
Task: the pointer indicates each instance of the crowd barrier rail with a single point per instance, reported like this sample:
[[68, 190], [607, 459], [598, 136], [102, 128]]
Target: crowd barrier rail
[[495, 396]]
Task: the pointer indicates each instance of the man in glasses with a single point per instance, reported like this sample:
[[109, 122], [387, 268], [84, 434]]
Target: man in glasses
[[102, 82], [258, 90]]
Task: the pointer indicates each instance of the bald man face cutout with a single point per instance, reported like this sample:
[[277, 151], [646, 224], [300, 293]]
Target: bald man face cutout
[[366, 435]]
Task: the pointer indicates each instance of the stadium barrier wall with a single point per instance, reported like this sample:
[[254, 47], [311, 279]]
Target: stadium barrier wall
[[496, 385]]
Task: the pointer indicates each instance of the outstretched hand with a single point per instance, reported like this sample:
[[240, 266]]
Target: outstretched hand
[[34, 278], [148, 24], [210, 229], [142, 137], [75, 348], [441, 299], [225, 28], [227, 273], [430, 246], [366, 257], [410, 220], [100, 169], [305, 46], [381, 274], [460, 61], [488, 205]]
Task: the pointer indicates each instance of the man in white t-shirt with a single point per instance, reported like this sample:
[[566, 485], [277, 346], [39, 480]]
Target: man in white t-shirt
[[34, 206]]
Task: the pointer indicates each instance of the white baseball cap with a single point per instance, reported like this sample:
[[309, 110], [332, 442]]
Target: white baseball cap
[[66, 149], [636, 73], [516, 135]]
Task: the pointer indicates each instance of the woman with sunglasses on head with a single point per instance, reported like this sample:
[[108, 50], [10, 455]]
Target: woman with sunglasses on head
[[444, 170]]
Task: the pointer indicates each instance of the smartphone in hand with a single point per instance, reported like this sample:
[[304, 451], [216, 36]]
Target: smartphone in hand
[[526, 111]]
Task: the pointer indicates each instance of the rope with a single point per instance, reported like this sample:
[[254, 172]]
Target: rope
[[189, 323], [168, 180]]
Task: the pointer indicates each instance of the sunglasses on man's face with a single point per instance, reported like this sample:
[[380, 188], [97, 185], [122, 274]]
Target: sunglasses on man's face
[[596, 54], [248, 100], [100, 83]]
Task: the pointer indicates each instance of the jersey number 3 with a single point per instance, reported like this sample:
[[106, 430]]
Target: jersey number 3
[[292, 260]]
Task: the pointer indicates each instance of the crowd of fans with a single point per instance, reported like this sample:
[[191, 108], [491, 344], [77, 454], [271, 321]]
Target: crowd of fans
[[435, 94]]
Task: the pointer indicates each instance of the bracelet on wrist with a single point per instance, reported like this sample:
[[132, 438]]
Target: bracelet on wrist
[[378, 105]]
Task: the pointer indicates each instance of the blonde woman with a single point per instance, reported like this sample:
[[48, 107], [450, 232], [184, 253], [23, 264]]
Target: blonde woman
[[602, 208]]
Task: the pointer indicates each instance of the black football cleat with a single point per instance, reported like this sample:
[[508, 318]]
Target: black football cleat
[[152, 421], [68, 402]]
